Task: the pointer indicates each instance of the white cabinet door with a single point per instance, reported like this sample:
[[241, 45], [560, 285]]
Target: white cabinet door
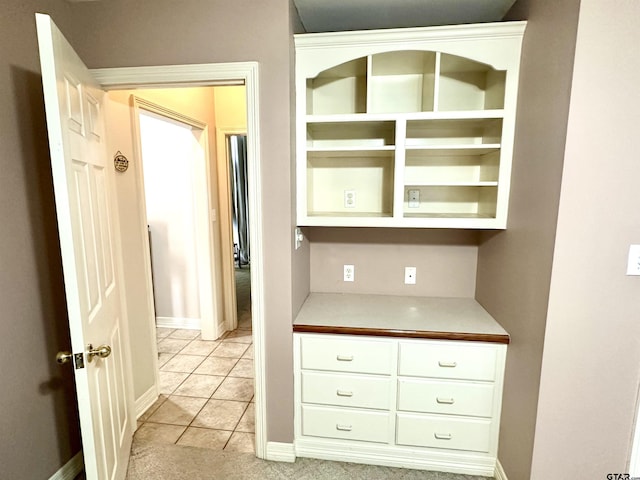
[[81, 178]]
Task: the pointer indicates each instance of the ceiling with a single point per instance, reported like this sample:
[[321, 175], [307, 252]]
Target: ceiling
[[340, 15]]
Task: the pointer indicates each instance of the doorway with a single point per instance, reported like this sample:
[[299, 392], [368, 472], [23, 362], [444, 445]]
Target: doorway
[[173, 157], [205, 381], [241, 73]]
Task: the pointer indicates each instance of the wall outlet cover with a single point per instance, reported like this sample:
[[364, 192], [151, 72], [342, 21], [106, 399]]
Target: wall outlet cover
[[349, 273], [349, 199], [410, 275], [414, 198]]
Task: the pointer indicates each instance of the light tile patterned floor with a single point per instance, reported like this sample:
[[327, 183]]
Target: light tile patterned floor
[[206, 391]]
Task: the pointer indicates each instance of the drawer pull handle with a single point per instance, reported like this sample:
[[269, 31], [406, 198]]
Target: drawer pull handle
[[445, 401], [344, 428], [443, 436], [448, 364], [344, 393], [345, 358]]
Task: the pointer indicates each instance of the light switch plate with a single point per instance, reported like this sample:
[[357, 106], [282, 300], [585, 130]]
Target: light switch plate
[[633, 263]]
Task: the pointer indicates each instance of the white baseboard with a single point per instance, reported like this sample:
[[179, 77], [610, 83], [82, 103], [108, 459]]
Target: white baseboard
[[178, 322], [464, 463], [147, 399], [500, 474], [71, 469], [281, 452]]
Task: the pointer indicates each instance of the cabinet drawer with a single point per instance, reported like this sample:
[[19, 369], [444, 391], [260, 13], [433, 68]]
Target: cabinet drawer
[[346, 390], [467, 362], [454, 398], [346, 355], [451, 433], [367, 426]]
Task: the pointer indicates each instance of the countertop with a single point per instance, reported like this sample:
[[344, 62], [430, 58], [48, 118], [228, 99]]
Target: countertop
[[398, 316]]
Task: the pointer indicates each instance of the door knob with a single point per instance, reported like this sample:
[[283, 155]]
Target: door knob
[[103, 351], [64, 357]]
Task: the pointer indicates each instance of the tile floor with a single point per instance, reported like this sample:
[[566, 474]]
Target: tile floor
[[206, 391]]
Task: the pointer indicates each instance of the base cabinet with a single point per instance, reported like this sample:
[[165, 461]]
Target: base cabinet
[[412, 403]]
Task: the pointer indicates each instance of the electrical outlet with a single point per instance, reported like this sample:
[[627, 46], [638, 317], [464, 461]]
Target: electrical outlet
[[349, 273], [410, 275], [633, 263], [349, 199]]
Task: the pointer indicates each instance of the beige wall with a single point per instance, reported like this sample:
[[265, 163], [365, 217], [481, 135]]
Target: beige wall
[[591, 362], [38, 419], [445, 261], [159, 32], [231, 106], [514, 266]]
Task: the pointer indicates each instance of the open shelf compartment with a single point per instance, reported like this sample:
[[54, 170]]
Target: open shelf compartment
[[464, 84], [339, 90], [451, 202], [362, 135], [453, 132], [455, 167], [402, 82], [350, 183]]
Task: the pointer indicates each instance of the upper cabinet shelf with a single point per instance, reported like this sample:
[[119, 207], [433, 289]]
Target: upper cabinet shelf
[[406, 82], [407, 127]]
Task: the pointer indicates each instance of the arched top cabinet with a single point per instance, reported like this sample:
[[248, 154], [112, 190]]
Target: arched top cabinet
[[406, 127]]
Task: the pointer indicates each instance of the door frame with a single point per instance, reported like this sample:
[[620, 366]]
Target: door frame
[[234, 73]]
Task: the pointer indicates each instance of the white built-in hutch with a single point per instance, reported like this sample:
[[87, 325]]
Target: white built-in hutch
[[407, 128]]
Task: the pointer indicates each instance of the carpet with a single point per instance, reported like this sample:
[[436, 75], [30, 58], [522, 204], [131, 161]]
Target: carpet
[[243, 296], [175, 462]]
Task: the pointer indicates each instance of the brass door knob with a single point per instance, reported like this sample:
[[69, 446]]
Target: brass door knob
[[103, 351], [63, 357]]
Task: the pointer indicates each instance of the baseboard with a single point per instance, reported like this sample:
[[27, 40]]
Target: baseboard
[[500, 474], [178, 322], [281, 452], [463, 463], [147, 399], [71, 469]]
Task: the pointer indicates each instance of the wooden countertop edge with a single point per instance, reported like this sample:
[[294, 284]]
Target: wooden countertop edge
[[381, 332]]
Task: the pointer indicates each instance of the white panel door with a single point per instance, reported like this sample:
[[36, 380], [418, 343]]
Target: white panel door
[[82, 178]]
